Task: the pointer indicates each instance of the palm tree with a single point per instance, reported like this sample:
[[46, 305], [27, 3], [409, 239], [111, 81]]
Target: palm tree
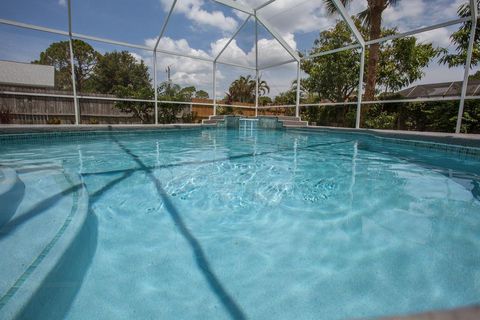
[[243, 89], [372, 20], [263, 87]]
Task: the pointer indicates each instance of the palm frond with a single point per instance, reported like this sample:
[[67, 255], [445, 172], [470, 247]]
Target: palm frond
[[332, 8], [365, 17]]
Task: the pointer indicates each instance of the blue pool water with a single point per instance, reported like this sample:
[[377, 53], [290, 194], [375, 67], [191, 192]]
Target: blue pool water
[[228, 224]]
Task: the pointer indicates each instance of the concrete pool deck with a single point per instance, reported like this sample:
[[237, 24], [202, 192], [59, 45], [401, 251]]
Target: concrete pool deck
[[444, 137], [469, 313], [429, 136]]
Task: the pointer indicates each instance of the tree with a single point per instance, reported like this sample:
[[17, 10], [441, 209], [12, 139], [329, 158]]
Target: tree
[[461, 38], [119, 73], [57, 55], [263, 101], [334, 77], [201, 94], [140, 110], [475, 76], [402, 61], [119, 69], [168, 91], [243, 89], [372, 20]]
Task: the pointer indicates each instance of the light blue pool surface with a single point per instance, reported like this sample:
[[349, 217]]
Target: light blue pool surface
[[265, 224]]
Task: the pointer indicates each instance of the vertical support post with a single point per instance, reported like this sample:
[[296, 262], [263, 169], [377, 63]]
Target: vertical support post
[[256, 65], [360, 88], [214, 88], [155, 84], [72, 66], [297, 103], [474, 14], [256, 94]]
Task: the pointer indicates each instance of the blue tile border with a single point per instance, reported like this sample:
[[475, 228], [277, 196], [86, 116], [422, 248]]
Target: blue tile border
[[446, 144], [39, 137]]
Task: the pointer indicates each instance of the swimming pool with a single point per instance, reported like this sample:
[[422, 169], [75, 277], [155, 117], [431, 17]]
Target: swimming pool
[[261, 224]]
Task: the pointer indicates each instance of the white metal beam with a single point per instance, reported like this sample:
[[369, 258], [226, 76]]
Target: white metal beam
[[417, 31], [165, 23], [264, 4], [214, 88], [277, 64], [256, 69], [352, 103], [278, 37], [360, 89], [324, 53], [297, 101], [236, 5], [114, 42], [351, 25], [33, 27], [235, 65], [358, 36], [231, 39], [155, 89], [471, 43], [72, 65]]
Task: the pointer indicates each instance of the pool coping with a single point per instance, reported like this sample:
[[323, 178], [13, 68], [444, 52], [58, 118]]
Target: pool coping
[[51, 255], [14, 128], [461, 144], [463, 313], [472, 140], [465, 145], [453, 138]]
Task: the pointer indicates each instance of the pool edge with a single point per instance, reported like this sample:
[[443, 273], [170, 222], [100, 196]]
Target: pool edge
[[464, 145]]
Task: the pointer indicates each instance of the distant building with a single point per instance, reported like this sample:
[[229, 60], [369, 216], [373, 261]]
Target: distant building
[[26, 74], [444, 89]]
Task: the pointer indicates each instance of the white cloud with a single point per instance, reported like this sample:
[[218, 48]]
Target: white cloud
[[437, 73], [439, 37], [186, 71], [137, 57], [304, 17], [404, 10], [233, 53], [192, 9], [62, 3]]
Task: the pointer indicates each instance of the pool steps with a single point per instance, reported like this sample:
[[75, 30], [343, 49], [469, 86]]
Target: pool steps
[[12, 191], [49, 210]]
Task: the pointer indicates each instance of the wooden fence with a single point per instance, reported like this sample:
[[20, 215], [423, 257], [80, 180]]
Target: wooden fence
[[30, 109]]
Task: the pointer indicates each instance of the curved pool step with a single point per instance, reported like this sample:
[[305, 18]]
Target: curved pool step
[[52, 212], [12, 190]]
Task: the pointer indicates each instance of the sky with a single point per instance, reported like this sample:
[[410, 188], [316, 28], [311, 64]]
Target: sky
[[203, 27]]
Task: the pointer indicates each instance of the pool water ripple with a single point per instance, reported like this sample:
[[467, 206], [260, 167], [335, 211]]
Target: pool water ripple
[[272, 225]]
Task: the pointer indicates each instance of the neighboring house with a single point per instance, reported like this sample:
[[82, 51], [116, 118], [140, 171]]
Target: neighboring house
[[26, 74], [444, 89]]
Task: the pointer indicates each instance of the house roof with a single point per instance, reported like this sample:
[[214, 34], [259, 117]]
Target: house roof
[[26, 74], [443, 89]]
